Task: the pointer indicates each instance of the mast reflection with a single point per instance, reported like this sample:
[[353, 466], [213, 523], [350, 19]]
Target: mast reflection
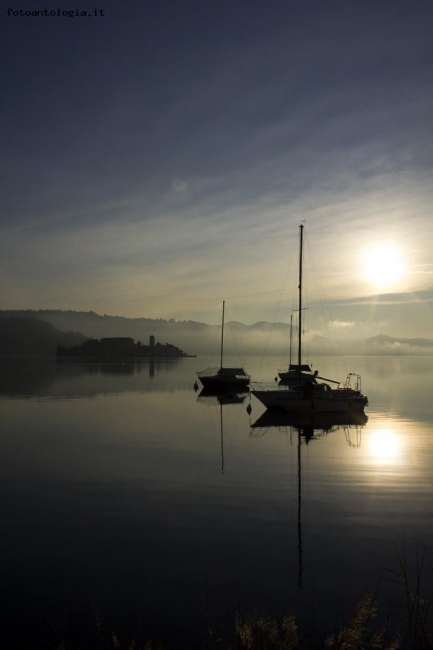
[[210, 397], [309, 427]]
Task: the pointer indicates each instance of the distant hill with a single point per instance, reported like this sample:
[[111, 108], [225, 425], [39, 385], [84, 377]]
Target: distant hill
[[94, 326], [390, 345], [263, 338], [31, 336], [191, 336]]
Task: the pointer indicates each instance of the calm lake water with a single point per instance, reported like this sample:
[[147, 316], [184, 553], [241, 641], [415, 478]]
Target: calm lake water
[[123, 489]]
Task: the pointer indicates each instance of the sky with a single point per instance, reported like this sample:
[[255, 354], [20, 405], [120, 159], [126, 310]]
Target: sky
[[158, 158]]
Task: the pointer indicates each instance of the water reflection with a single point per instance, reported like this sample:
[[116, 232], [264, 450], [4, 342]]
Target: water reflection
[[149, 483], [310, 426], [307, 428], [385, 447], [119, 368], [48, 377], [353, 438], [214, 397]]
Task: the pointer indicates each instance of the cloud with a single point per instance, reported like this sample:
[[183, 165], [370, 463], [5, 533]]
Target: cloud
[[172, 167], [409, 297], [344, 325]]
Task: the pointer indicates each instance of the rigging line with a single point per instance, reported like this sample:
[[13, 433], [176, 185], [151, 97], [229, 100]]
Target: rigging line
[[233, 296], [283, 287], [213, 345], [237, 354], [332, 337]]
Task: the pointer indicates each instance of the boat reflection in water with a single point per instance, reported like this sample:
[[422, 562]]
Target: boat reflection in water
[[216, 397], [212, 397], [309, 427]]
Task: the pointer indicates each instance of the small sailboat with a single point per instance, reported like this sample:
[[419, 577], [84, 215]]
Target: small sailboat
[[224, 378], [303, 393]]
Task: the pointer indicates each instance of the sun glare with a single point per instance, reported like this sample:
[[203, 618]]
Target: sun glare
[[385, 447], [383, 265]]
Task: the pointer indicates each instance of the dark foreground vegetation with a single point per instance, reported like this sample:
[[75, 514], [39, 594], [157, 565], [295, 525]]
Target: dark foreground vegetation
[[359, 631], [397, 616]]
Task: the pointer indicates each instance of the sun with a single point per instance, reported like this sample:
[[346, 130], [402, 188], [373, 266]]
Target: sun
[[383, 265]]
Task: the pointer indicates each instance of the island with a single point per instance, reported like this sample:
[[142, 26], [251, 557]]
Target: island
[[121, 347]]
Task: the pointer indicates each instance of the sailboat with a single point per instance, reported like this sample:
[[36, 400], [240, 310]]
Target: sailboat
[[307, 395], [224, 378], [294, 373]]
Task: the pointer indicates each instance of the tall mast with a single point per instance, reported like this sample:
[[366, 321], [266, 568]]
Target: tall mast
[[290, 345], [301, 228], [222, 336]]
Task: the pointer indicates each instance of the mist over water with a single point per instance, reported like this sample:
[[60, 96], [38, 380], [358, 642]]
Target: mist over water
[[124, 488]]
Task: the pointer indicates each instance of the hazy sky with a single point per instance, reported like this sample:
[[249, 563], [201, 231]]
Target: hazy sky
[[159, 158]]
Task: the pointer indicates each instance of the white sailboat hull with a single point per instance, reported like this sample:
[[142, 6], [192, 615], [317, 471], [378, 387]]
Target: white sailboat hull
[[295, 401]]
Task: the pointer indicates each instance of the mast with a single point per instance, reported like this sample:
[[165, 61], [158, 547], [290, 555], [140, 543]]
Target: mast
[[222, 336], [290, 344], [301, 229]]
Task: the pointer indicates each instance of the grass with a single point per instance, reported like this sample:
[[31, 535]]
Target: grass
[[403, 625], [257, 632]]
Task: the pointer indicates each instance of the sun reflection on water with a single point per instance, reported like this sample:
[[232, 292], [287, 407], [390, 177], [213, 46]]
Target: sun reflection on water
[[385, 447]]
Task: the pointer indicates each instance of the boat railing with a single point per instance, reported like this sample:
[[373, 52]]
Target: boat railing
[[353, 381]]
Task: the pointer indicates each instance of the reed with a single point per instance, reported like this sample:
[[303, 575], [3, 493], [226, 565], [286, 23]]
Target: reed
[[259, 632], [405, 625]]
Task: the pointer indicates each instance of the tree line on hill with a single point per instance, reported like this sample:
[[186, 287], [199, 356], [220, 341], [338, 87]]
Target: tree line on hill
[[32, 336], [119, 348]]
